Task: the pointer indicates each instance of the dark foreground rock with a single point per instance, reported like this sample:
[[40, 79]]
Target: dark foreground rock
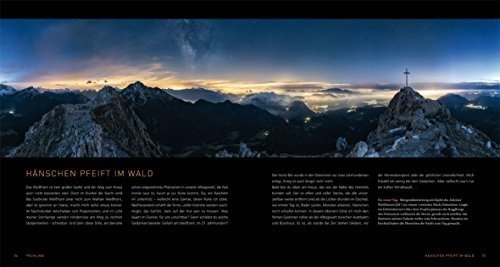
[[104, 127], [413, 126]]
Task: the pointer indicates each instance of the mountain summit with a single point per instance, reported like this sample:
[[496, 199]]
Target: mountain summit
[[137, 94], [413, 126], [6, 90], [104, 127]]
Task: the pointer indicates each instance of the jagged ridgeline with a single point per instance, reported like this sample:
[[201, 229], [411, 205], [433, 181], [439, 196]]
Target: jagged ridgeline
[[103, 127], [141, 121]]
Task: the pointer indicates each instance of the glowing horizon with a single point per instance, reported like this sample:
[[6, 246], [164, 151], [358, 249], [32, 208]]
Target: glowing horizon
[[243, 56]]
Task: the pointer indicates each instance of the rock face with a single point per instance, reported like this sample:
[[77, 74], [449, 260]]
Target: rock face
[[361, 150], [341, 143], [20, 110], [416, 127], [104, 127]]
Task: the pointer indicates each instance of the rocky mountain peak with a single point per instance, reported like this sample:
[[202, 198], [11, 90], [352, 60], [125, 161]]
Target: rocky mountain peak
[[138, 84], [137, 87], [138, 94], [29, 91], [413, 126], [410, 110], [405, 102], [104, 127], [106, 94], [6, 90]]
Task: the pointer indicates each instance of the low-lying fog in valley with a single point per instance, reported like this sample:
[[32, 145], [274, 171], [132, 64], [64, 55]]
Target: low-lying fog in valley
[[321, 101]]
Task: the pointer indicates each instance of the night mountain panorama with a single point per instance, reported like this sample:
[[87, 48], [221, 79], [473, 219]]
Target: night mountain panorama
[[249, 88]]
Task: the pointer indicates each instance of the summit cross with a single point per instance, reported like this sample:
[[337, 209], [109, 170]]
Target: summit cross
[[406, 73]]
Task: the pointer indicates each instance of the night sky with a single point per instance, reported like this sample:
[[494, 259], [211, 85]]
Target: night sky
[[240, 55]]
